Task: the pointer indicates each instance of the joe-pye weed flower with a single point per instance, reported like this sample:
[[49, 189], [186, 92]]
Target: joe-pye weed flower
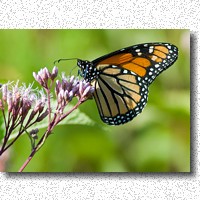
[[23, 106]]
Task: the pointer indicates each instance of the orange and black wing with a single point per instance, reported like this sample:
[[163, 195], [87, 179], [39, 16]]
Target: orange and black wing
[[121, 78], [146, 60]]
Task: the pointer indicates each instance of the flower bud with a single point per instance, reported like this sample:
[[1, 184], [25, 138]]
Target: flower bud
[[57, 88], [81, 88], [47, 73], [71, 94], [54, 73], [86, 91], [33, 133], [9, 101], [43, 115], [4, 92], [66, 95]]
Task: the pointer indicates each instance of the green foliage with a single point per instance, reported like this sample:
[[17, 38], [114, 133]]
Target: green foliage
[[158, 140]]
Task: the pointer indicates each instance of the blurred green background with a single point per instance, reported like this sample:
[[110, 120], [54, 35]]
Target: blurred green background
[[158, 140]]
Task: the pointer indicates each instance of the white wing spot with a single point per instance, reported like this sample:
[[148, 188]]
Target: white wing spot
[[133, 73], [150, 73], [169, 47], [150, 50]]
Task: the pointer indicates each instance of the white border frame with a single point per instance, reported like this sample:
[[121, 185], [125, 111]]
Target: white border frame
[[109, 14]]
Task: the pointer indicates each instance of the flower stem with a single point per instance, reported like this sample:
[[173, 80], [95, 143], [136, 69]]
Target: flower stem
[[28, 160], [66, 114], [38, 146], [46, 134], [49, 103]]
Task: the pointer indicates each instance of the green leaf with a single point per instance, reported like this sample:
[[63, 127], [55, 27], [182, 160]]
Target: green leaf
[[76, 117]]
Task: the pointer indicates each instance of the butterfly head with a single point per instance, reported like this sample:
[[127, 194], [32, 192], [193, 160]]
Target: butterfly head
[[87, 70]]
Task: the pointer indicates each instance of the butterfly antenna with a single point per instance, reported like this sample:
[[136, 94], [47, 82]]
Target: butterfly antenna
[[64, 59]]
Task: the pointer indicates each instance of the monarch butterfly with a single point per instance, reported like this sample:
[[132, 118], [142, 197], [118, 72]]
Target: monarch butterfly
[[121, 78]]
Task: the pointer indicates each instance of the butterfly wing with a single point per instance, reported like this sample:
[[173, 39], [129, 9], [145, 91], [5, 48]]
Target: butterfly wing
[[121, 78], [120, 95], [146, 60]]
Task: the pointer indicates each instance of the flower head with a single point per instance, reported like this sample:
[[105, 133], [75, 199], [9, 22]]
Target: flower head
[[44, 75], [70, 87], [25, 106], [19, 100]]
